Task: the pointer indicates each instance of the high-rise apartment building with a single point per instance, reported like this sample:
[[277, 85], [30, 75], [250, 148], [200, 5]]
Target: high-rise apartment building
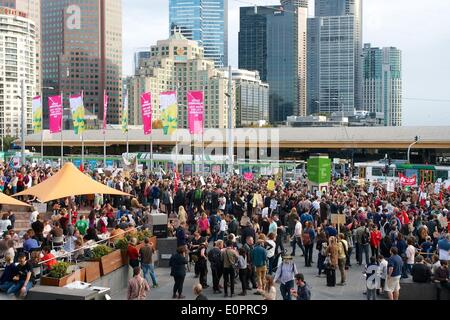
[[32, 8], [252, 98], [272, 41], [178, 64], [205, 21], [335, 57], [82, 51], [17, 64], [383, 83]]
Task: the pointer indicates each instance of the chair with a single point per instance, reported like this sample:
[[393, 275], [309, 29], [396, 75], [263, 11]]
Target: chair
[[58, 243]]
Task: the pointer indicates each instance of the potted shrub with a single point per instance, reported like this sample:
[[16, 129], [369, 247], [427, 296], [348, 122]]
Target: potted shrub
[[146, 234], [109, 258], [62, 274], [122, 245]]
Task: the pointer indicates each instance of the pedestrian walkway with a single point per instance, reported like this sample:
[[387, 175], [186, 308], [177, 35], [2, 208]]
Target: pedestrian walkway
[[352, 291]]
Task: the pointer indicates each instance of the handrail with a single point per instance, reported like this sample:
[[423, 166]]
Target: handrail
[[69, 254]]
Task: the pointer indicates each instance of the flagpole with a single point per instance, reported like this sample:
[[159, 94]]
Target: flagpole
[[104, 148], [62, 129], [105, 101], [42, 145], [151, 152], [82, 135]]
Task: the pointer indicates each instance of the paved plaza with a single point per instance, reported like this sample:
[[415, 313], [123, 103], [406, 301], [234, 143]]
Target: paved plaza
[[352, 291]]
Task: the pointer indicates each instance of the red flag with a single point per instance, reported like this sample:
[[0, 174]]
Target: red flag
[[81, 167], [177, 181]]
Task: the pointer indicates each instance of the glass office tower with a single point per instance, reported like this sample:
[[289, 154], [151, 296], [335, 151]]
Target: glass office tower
[[272, 41], [383, 83], [335, 57], [205, 21]]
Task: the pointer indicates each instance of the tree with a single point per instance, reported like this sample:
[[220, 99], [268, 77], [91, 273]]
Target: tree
[[7, 142]]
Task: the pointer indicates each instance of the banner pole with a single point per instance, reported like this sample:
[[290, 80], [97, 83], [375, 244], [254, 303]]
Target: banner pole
[[151, 152], [42, 145], [104, 148], [62, 129]]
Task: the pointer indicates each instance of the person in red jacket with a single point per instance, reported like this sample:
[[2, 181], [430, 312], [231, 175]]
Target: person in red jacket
[[375, 240], [402, 216], [133, 253]]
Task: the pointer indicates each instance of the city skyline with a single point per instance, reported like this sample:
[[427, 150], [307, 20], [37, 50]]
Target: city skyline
[[386, 23]]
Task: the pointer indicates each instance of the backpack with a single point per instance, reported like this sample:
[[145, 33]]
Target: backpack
[[365, 237], [198, 195], [306, 238]]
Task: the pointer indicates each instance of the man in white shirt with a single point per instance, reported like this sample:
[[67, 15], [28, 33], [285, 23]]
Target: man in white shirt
[[297, 239], [34, 215], [265, 213], [382, 272]]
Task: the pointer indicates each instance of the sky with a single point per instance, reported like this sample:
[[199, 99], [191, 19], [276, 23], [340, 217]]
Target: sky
[[421, 29]]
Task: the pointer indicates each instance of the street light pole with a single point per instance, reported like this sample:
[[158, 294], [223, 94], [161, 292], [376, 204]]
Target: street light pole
[[416, 140], [230, 121], [23, 120]]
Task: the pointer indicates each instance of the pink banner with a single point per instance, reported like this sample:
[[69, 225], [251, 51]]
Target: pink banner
[[195, 112], [55, 113], [146, 107], [248, 176], [105, 109], [405, 181]]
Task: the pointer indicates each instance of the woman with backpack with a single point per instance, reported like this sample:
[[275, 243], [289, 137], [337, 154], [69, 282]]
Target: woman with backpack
[[308, 237]]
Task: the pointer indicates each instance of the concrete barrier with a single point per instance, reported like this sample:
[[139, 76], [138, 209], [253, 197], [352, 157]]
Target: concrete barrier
[[420, 291]]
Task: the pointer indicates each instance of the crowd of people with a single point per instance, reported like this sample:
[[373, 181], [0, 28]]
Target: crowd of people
[[249, 230]]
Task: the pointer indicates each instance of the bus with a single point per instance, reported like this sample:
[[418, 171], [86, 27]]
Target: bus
[[376, 171]]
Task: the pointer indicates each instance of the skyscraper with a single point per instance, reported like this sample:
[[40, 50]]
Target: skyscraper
[[17, 63], [335, 56], [82, 51], [32, 8], [383, 83], [178, 64], [205, 21], [272, 41]]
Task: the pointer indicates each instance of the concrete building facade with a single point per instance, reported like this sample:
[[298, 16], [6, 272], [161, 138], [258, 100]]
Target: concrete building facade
[[178, 64], [17, 64]]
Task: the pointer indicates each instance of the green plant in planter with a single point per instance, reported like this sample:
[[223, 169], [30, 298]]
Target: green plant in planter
[[121, 244], [101, 251], [144, 234], [59, 270], [131, 235]]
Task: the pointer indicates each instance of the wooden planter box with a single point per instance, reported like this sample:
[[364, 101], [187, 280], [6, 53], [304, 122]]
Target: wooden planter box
[[111, 262], [92, 270], [78, 275]]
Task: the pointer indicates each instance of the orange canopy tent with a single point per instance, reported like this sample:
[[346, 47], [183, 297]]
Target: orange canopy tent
[[9, 201], [69, 181]]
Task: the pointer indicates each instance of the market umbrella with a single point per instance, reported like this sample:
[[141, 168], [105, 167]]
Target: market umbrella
[[9, 201], [69, 181]]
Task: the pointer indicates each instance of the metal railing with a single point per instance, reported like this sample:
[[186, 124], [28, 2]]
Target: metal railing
[[69, 254]]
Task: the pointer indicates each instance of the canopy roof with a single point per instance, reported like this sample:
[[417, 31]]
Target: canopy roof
[[69, 181], [7, 200]]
